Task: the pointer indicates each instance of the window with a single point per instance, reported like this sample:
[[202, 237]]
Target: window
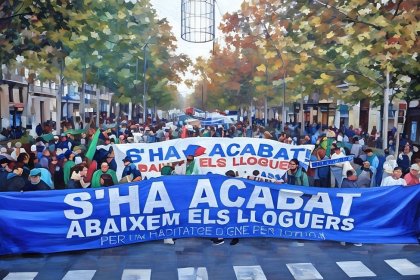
[[21, 95], [10, 94], [401, 116]]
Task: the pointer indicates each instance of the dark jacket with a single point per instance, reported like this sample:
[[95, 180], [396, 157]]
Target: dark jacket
[[403, 161], [349, 184], [3, 179], [41, 186], [73, 184], [58, 178], [131, 170], [15, 183]]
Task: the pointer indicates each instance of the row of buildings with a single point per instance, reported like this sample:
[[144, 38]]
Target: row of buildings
[[26, 105]]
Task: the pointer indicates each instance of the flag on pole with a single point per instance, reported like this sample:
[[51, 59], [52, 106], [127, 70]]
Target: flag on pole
[[92, 147]]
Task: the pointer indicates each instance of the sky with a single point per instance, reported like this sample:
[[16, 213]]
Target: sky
[[171, 9]]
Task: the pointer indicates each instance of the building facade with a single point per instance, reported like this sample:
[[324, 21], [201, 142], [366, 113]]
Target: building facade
[[26, 105]]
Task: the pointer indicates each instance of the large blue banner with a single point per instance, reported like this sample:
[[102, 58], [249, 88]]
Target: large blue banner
[[203, 206]]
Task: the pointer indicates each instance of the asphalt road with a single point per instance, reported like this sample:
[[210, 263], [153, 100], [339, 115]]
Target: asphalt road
[[194, 258]]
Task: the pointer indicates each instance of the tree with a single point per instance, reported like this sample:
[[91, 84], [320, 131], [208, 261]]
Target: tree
[[323, 43], [91, 37], [29, 29]]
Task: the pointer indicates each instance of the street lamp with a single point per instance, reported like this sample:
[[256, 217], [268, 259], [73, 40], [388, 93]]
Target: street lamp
[[144, 47], [144, 81]]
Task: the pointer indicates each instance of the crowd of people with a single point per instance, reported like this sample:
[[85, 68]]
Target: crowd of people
[[84, 158], [75, 159]]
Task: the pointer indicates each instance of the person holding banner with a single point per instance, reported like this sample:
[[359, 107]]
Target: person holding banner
[[179, 168], [130, 169], [337, 169], [322, 174], [192, 167], [295, 175]]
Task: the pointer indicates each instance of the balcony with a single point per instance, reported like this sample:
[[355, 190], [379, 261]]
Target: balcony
[[43, 90]]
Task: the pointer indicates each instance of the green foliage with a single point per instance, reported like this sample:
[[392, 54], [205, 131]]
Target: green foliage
[[319, 45], [107, 38]]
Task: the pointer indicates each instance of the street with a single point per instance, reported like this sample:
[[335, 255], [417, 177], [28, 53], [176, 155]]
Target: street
[[195, 258]]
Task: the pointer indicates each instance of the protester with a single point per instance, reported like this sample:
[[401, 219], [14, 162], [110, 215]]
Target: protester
[[412, 177], [68, 165], [404, 159], [60, 154], [337, 169], [350, 181], [356, 148], [106, 180], [389, 165], [375, 164], [168, 169], [96, 182], [15, 181], [295, 175], [191, 167], [131, 169], [395, 179], [365, 177], [17, 150], [4, 171], [77, 178], [23, 162], [35, 183], [44, 161]]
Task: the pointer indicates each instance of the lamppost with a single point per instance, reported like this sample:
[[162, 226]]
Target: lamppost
[[144, 47], [385, 119], [144, 81]]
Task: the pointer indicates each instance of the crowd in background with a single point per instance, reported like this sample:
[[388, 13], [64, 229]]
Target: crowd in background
[[83, 157]]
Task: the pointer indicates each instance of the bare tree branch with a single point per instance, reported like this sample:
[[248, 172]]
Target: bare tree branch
[[398, 7]]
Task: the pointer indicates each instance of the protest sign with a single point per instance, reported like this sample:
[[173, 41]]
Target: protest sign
[[203, 206], [216, 155]]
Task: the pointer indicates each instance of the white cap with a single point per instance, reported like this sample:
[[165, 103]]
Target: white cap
[[33, 148], [415, 167]]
